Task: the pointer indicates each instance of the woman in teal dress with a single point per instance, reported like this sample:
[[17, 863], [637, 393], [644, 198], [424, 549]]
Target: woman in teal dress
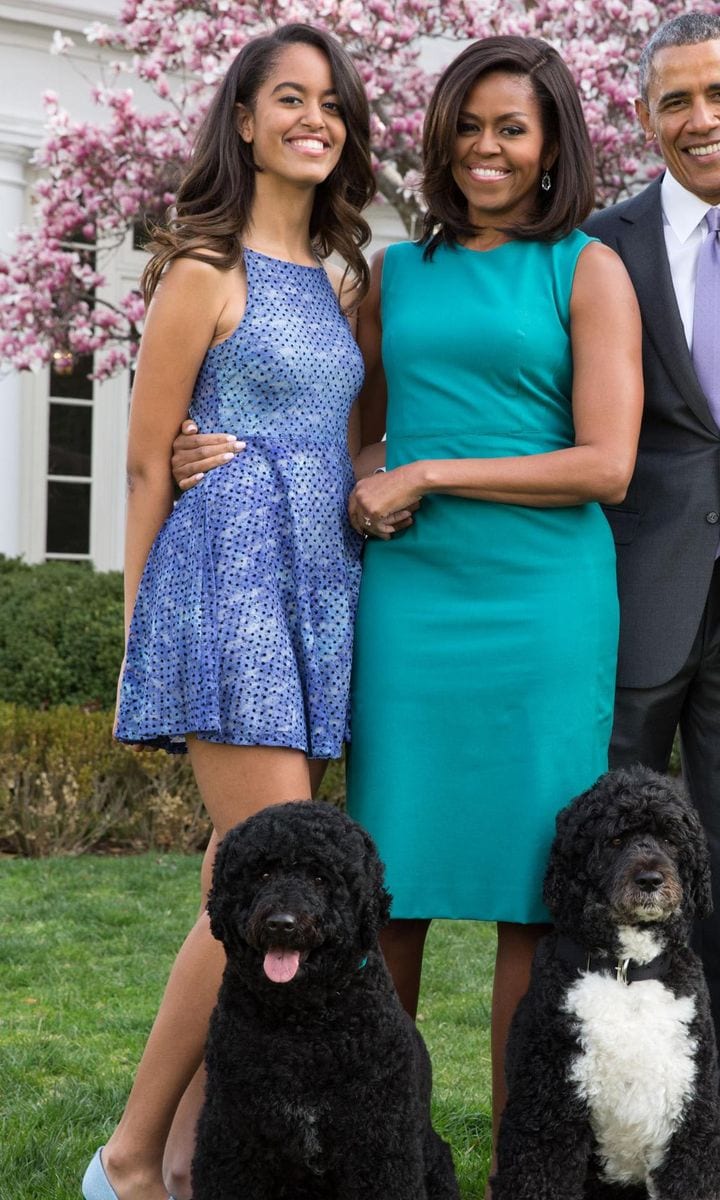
[[506, 348]]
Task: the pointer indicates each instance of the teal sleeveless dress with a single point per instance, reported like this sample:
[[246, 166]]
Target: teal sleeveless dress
[[486, 638]]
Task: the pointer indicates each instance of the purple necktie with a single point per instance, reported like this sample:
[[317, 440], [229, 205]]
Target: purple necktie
[[706, 315]]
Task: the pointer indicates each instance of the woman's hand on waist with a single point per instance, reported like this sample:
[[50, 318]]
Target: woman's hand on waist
[[196, 453]]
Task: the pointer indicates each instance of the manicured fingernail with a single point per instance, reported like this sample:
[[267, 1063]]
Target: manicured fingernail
[[230, 437], [227, 457], [240, 445], [197, 478]]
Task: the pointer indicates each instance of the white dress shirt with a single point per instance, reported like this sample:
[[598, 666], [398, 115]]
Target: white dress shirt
[[685, 231]]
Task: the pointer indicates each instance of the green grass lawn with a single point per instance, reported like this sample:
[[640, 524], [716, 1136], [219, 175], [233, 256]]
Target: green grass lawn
[[85, 948]]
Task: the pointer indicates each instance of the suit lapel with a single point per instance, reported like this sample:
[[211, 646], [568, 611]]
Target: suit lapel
[[641, 241]]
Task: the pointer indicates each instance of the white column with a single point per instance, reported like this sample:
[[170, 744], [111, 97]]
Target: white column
[[13, 159]]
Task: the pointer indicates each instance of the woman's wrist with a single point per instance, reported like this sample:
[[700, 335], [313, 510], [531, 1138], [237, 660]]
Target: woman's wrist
[[414, 478]]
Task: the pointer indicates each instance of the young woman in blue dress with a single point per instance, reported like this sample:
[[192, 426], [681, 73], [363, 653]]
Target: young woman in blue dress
[[240, 601]]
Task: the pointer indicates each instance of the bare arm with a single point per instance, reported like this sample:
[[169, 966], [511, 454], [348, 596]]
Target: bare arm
[[606, 404], [372, 401], [181, 324], [372, 405]]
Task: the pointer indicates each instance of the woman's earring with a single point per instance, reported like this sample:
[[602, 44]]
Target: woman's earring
[[546, 182]]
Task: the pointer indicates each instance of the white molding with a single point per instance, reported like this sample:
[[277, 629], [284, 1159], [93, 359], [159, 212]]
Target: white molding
[[35, 413], [68, 16]]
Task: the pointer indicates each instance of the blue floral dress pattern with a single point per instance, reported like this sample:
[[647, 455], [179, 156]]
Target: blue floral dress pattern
[[242, 627]]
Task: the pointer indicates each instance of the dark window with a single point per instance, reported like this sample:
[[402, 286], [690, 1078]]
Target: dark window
[[70, 439], [73, 383], [68, 518]]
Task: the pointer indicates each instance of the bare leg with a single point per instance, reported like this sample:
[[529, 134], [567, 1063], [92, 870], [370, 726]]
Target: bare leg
[[181, 1140], [515, 949], [402, 944], [234, 782]]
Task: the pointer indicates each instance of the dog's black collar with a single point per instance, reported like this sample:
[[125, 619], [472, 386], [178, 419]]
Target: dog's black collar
[[626, 970]]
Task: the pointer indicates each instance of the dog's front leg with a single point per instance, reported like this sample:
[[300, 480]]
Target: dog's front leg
[[690, 1169], [544, 1143], [229, 1164], [382, 1168], [541, 1164]]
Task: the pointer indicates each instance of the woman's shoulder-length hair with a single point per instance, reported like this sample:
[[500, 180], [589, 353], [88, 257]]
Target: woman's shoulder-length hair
[[571, 195]]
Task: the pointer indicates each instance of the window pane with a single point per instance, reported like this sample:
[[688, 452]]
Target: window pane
[[68, 518], [70, 439], [73, 384]]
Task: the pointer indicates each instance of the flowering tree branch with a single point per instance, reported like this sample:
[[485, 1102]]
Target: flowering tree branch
[[98, 180]]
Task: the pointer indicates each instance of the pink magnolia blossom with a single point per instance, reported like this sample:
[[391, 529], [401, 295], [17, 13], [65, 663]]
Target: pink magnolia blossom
[[98, 180]]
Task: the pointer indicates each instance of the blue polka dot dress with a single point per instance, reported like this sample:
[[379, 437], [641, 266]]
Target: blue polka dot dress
[[242, 627]]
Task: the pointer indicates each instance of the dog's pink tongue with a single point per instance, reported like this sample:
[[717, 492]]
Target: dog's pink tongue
[[280, 964]]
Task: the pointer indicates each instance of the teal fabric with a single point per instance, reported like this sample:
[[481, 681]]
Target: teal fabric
[[486, 638]]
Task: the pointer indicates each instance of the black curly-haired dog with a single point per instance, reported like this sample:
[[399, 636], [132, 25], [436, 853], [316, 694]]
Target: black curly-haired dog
[[612, 1068], [318, 1083]]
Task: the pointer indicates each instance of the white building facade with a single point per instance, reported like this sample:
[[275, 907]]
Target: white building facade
[[62, 487]]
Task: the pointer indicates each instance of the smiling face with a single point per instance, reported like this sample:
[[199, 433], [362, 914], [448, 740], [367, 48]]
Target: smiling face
[[683, 113], [499, 152], [296, 127]]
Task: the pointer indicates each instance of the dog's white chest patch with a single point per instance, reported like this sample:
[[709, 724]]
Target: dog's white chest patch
[[635, 1070]]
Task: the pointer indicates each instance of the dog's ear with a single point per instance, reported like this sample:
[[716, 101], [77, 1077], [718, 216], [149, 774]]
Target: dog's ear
[[556, 880], [696, 864], [375, 907], [552, 885], [223, 897], [702, 891]]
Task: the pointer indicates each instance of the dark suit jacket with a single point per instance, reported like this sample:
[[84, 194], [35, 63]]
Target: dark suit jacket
[[666, 531]]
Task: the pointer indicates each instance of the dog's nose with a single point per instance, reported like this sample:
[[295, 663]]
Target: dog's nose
[[648, 880], [281, 923]]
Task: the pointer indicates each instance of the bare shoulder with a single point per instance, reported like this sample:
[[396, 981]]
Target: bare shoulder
[[195, 292], [193, 273], [344, 285], [601, 278], [337, 276], [376, 264], [372, 299]]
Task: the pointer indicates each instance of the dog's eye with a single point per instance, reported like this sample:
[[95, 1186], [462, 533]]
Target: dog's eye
[[319, 879], [616, 841], [263, 876]]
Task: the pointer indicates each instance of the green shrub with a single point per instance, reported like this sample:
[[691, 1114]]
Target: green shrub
[[61, 634], [67, 787]]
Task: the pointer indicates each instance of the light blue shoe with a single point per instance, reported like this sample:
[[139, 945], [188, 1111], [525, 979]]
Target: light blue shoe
[[95, 1184]]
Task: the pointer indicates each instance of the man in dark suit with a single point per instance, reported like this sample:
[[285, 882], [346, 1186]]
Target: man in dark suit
[[667, 530]]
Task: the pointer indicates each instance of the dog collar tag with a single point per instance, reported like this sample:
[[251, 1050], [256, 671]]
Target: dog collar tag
[[624, 969]]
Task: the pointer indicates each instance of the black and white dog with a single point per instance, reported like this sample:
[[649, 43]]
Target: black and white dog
[[611, 1064]]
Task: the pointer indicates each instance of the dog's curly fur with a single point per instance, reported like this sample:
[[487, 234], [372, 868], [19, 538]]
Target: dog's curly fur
[[613, 1087], [319, 1086]]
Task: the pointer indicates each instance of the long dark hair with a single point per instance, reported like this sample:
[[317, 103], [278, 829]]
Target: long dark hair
[[213, 202], [571, 195]]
